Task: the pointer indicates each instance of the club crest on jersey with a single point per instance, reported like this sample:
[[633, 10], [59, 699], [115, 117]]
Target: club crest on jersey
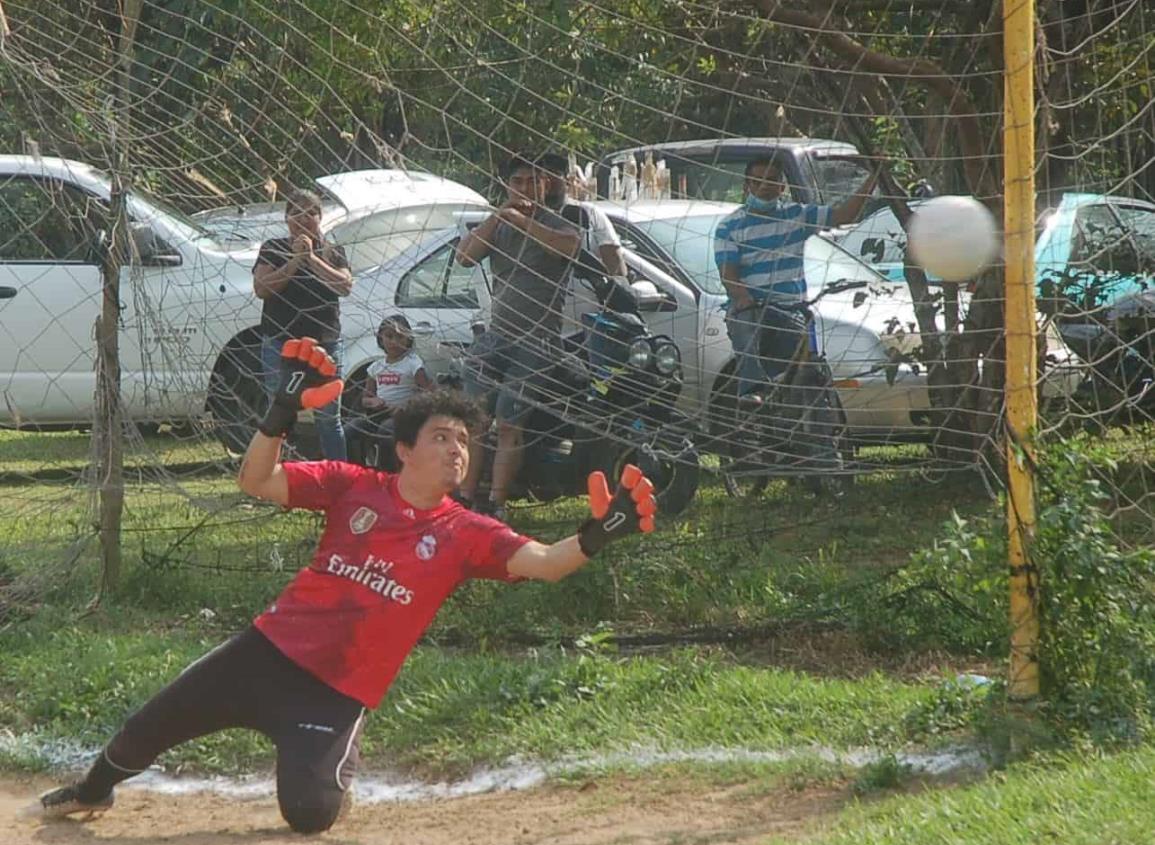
[[362, 520], [426, 547]]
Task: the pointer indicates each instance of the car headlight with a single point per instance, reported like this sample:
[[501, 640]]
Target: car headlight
[[667, 358], [640, 354]]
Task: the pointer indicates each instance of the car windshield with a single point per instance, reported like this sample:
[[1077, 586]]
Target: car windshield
[[145, 206], [722, 179], [378, 238], [148, 206], [839, 178], [690, 242]]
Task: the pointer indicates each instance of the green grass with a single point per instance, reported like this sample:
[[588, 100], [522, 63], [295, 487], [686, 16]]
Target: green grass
[[1087, 800], [28, 452], [205, 545], [197, 543], [451, 710], [201, 559]]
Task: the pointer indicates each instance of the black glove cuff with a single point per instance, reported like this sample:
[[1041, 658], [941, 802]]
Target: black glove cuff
[[592, 538], [278, 422]]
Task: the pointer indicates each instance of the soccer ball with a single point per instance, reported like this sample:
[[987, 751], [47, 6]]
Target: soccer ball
[[953, 238]]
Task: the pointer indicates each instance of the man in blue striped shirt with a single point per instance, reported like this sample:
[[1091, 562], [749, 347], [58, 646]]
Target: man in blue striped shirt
[[758, 250]]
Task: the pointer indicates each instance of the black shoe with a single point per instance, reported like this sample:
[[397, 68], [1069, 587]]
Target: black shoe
[[65, 801]]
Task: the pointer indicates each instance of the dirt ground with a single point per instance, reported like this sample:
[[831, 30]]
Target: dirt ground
[[615, 809]]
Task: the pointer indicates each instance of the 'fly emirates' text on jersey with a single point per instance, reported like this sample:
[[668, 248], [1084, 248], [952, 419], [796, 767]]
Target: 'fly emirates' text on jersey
[[381, 572]]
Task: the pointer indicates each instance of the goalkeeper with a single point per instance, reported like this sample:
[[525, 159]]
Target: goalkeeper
[[393, 549]]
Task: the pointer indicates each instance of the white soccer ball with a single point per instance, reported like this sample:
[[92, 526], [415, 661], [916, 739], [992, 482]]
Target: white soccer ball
[[953, 238]]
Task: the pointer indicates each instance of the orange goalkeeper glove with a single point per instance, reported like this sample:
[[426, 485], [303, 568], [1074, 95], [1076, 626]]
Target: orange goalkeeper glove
[[308, 380], [631, 509]]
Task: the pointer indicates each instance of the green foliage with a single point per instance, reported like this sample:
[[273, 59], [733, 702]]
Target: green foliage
[[1097, 646], [951, 595], [1097, 616], [952, 708]]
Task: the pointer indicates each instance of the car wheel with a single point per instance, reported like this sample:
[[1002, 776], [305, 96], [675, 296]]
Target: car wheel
[[236, 396], [675, 479]]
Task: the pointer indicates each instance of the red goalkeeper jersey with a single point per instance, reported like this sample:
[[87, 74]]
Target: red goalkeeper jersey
[[382, 570]]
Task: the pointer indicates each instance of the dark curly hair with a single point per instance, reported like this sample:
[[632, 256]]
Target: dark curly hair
[[399, 324], [411, 416]]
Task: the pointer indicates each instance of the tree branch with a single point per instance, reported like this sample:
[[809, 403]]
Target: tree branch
[[861, 58]]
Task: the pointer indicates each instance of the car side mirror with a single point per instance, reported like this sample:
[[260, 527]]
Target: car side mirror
[[151, 251], [650, 297]]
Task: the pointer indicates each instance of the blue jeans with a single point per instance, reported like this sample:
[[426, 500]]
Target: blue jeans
[[760, 358], [328, 418]]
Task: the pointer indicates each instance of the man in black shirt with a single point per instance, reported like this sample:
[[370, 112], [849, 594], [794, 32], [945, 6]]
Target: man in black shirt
[[300, 279]]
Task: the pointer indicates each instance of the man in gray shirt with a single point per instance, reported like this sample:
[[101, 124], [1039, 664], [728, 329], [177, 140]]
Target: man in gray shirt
[[530, 249]]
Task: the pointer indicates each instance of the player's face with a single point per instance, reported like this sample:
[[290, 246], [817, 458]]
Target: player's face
[[440, 456], [765, 182]]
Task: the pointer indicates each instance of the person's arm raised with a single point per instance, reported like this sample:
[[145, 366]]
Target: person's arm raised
[[269, 280], [337, 279], [848, 210], [308, 380], [477, 242], [566, 241], [631, 509]]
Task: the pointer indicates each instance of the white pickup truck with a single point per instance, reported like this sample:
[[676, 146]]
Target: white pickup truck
[[188, 341]]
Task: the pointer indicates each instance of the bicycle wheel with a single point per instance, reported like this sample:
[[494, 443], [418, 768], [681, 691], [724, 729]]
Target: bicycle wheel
[[743, 464], [825, 430]]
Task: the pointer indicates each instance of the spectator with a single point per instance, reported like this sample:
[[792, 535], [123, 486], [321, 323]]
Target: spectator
[[531, 248], [601, 250], [300, 280], [389, 382], [758, 250]]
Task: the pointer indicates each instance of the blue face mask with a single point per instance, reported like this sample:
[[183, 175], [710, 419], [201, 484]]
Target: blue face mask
[[755, 204]]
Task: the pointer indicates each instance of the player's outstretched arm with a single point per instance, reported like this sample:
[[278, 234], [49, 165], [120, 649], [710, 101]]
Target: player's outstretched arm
[[308, 380], [629, 510]]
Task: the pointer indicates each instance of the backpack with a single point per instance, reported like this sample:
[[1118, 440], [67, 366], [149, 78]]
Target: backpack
[[613, 293]]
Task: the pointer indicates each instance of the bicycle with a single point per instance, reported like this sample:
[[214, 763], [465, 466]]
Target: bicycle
[[799, 430]]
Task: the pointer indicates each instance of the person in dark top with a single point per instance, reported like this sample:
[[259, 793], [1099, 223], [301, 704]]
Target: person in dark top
[[301, 279], [530, 248]]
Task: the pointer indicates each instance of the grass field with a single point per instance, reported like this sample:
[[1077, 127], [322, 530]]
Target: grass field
[[748, 625]]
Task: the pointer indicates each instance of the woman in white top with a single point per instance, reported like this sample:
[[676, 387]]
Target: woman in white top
[[389, 382]]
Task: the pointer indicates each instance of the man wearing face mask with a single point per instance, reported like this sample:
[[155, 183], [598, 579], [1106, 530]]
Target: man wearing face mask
[[600, 254], [530, 248], [758, 250]]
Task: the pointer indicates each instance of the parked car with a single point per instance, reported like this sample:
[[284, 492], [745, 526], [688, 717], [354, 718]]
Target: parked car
[[862, 332], [443, 301], [188, 315], [368, 212], [818, 170]]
